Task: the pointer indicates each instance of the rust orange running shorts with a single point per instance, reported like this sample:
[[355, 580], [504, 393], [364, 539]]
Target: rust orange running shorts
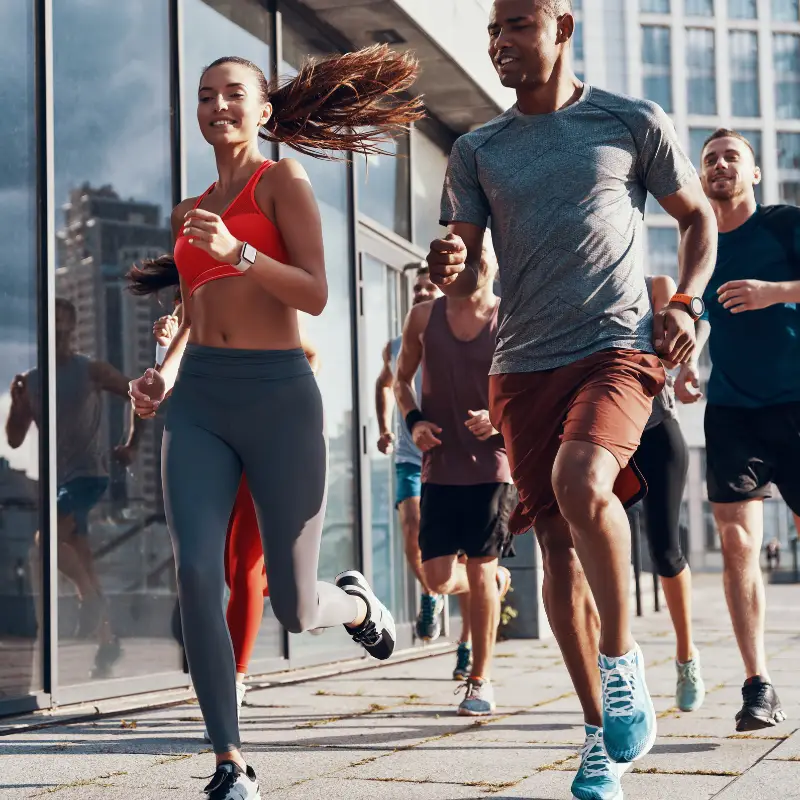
[[604, 399]]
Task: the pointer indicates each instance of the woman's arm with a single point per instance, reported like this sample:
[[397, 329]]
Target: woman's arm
[[287, 197], [664, 289]]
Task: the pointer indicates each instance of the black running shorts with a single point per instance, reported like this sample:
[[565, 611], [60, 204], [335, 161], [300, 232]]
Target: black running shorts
[[747, 449], [472, 520]]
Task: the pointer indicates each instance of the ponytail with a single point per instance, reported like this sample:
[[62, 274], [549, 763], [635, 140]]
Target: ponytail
[[152, 275], [341, 103]]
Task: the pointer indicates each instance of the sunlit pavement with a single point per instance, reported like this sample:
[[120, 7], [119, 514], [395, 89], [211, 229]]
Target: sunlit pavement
[[392, 732]]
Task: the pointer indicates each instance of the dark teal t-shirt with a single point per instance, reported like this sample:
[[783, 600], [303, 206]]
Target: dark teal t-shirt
[[755, 355]]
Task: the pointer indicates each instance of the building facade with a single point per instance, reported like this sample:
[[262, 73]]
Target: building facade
[[103, 143]]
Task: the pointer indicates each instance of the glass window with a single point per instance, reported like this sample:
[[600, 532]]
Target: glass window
[[699, 8], [786, 50], [697, 138], [654, 6], [701, 81], [657, 65], [785, 10], [744, 73], [789, 168], [742, 9], [577, 41], [332, 335], [20, 572], [428, 168], [662, 251], [384, 186], [113, 196], [212, 29]]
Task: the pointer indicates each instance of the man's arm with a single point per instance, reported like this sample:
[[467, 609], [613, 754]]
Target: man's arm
[[423, 432], [109, 379], [20, 415], [384, 401], [752, 295], [673, 329], [687, 381]]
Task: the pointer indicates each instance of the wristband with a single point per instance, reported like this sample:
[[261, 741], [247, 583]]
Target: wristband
[[161, 353], [412, 418]]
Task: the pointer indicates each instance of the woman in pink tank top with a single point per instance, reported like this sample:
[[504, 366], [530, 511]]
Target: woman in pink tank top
[[243, 396]]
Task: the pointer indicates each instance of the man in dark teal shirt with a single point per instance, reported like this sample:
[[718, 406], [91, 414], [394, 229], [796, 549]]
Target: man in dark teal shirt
[[752, 422]]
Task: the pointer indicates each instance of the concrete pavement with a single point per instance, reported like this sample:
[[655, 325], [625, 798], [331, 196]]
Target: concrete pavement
[[391, 731]]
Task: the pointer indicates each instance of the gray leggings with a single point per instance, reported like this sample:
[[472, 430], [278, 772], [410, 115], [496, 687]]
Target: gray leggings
[[259, 411]]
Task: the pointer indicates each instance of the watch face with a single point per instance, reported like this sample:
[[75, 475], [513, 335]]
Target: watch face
[[249, 253], [697, 307]]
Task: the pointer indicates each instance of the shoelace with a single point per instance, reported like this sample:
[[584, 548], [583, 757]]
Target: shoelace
[[687, 673], [368, 635], [473, 689], [594, 761], [221, 779], [755, 694], [619, 685], [428, 609]]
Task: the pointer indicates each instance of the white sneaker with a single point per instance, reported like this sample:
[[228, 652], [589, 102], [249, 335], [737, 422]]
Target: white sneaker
[[241, 689], [230, 783], [377, 633]]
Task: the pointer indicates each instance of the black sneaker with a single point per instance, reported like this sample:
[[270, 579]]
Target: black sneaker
[[108, 653], [229, 782], [376, 634], [761, 709]]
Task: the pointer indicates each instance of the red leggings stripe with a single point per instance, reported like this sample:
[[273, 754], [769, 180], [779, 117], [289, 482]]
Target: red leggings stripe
[[246, 577]]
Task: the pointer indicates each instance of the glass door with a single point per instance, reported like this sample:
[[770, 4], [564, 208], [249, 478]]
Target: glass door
[[386, 269]]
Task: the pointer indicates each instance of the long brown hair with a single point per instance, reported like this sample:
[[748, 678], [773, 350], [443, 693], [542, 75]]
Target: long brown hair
[[151, 275], [349, 102]]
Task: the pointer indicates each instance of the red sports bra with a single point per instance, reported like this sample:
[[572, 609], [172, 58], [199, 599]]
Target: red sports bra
[[246, 222]]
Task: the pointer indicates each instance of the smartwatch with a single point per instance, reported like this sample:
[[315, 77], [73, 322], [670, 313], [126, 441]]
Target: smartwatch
[[247, 257], [694, 305]]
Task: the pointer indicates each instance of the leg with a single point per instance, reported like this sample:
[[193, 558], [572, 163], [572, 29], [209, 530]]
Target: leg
[[198, 464], [464, 608], [286, 463], [484, 613], [446, 575], [409, 512], [583, 482], [245, 568], [571, 612], [664, 461], [741, 530]]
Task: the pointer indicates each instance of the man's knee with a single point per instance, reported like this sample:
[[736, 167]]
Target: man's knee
[[738, 545], [482, 573], [439, 574], [556, 545], [583, 481]]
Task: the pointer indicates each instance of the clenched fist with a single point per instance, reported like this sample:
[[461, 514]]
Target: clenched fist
[[446, 259]]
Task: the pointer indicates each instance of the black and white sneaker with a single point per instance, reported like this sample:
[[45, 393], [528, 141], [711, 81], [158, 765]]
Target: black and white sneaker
[[376, 634], [761, 707], [229, 782]]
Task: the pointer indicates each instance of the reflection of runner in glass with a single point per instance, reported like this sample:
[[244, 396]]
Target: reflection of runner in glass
[[245, 572], [466, 483], [250, 253], [752, 420], [408, 470], [81, 467], [663, 459]]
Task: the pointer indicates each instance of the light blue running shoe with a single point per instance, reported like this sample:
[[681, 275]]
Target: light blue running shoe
[[429, 621], [629, 718], [691, 690], [479, 700], [598, 777]]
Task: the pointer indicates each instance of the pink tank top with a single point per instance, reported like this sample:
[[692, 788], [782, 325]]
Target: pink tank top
[[455, 380]]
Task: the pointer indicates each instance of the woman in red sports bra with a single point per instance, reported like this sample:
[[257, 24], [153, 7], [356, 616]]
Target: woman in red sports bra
[[243, 396], [245, 572]]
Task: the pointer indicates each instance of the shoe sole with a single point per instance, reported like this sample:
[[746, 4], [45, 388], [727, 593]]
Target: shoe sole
[[506, 587], [750, 722], [618, 796], [463, 712], [460, 676], [354, 578]]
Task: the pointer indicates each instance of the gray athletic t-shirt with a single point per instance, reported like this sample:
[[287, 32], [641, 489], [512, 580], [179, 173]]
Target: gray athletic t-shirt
[[566, 193]]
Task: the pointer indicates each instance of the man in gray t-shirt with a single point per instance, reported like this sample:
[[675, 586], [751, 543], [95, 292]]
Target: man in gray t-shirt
[[563, 176]]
